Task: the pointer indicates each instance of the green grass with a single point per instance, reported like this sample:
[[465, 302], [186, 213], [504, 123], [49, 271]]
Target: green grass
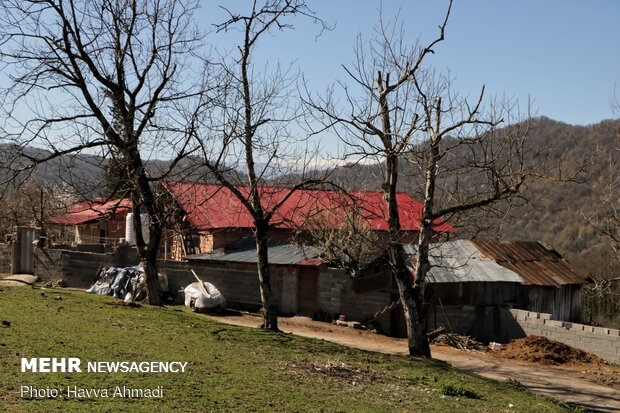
[[450, 388], [230, 368]]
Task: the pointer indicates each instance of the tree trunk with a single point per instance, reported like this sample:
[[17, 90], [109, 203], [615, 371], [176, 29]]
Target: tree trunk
[[412, 301], [148, 255], [143, 197], [153, 289], [270, 311], [153, 296], [411, 294], [423, 264]]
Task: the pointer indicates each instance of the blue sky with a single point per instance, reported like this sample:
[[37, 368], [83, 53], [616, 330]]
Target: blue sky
[[563, 54]]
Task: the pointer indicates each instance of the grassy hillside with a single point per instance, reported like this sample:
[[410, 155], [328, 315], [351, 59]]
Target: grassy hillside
[[230, 368]]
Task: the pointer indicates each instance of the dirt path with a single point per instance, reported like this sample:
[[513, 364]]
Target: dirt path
[[561, 383]]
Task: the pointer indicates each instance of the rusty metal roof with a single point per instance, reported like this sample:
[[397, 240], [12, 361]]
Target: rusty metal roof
[[536, 262], [525, 262], [459, 261]]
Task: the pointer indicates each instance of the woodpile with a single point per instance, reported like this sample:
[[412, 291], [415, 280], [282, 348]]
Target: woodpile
[[460, 342]]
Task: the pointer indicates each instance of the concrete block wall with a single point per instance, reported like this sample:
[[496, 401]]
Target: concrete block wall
[[363, 306], [48, 264], [604, 342], [178, 273], [237, 281], [458, 318], [80, 268], [331, 282], [290, 296]]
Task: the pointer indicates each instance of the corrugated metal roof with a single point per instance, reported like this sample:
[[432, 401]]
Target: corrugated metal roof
[[459, 261], [526, 262], [210, 206], [536, 262], [91, 211], [283, 254]]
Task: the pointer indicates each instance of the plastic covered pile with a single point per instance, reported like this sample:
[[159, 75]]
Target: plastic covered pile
[[199, 299], [127, 283]]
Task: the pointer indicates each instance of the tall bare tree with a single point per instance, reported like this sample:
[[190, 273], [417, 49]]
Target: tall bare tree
[[401, 111], [100, 77], [249, 122]]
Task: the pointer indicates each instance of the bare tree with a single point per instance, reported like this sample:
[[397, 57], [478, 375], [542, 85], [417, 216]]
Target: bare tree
[[31, 204], [343, 235], [250, 119], [101, 77], [601, 298], [406, 115], [607, 217]]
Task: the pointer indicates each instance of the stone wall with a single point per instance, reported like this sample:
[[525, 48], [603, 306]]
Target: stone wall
[[604, 342], [6, 252]]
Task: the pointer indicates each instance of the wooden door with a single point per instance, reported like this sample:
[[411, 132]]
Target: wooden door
[[308, 289]]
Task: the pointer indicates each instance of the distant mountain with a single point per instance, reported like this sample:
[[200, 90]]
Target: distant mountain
[[86, 174]]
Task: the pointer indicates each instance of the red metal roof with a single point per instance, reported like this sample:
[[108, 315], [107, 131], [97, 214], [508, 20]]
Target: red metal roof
[[536, 262], [210, 206], [92, 210]]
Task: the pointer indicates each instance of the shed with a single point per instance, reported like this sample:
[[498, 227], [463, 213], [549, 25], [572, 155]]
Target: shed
[[472, 284], [553, 284], [470, 290]]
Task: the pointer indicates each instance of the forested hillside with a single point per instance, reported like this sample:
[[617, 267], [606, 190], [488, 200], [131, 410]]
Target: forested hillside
[[555, 211]]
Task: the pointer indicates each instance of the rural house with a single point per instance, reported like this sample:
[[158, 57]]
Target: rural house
[[470, 288], [95, 221], [210, 217], [213, 218]]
